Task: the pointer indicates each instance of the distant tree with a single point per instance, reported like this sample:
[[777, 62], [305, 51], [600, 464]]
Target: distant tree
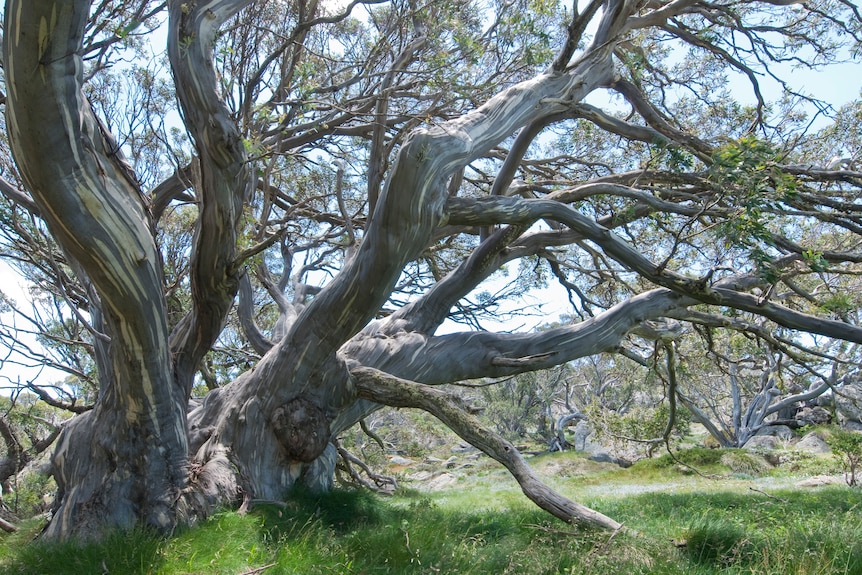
[[253, 242], [742, 385], [527, 405]]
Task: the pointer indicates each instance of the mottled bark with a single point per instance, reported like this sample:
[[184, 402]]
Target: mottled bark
[[124, 462], [226, 180], [306, 363]]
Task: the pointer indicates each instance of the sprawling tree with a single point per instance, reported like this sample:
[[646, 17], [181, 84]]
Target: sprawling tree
[[285, 207]]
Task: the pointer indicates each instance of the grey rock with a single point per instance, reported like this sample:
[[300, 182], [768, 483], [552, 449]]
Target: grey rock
[[603, 457], [814, 416], [853, 425], [441, 481], [583, 431], [820, 480], [782, 432], [761, 442], [848, 402], [813, 443], [398, 460]]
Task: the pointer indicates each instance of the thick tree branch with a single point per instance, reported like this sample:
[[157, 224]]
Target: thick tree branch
[[516, 210], [225, 178], [411, 206], [383, 388]]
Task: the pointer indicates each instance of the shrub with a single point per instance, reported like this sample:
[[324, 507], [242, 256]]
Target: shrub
[[694, 457], [847, 447], [745, 463]]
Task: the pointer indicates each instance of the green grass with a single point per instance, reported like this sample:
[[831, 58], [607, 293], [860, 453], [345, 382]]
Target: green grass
[[684, 523], [482, 530]]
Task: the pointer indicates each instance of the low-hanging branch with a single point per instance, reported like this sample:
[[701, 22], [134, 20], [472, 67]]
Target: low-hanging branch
[[389, 390]]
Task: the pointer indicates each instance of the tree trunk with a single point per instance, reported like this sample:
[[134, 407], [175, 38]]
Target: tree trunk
[[123, 463]]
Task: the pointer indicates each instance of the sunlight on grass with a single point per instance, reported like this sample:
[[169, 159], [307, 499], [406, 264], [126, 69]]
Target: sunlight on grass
[[490, 529]]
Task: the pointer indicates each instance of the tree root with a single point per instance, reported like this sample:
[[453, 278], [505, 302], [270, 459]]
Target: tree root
[[389, 390]]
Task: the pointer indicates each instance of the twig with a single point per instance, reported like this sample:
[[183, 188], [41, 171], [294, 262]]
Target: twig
[[768, 495], [600, 549], [257, 570], [552, 530]]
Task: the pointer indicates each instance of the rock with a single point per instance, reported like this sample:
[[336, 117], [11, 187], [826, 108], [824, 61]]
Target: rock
[[819, 480], [782, 432], [463, 448], [848, 402], [603, 457], [813, 443], [398, 460], [449, 463], [583, 431], [441, 481], [420, 476], [853, 425], [814, 416], [761, 442]]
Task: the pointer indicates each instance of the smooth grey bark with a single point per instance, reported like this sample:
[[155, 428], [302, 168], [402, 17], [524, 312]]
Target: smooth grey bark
[[226, 180], [384, 388], [303, 380], [125, 462], [122, 463]]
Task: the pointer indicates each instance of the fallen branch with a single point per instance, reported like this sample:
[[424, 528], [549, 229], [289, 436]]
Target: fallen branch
[[7, 527], [768, 495]]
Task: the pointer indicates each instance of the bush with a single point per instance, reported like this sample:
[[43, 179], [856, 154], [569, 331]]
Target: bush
[[695, 457], [638, 425], [745, 463], [847, 448]]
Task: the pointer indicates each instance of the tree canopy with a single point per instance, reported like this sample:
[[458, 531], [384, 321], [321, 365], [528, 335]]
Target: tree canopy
[[251, 223]]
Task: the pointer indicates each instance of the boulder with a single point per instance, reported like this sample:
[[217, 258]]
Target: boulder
[[603, 457], [583, 431], [463, 448], [814, 416], [813, 443], [848, 402], [853, 425], [402, 461], [782, 432], [767, 442], [441, 481], [820, 480]]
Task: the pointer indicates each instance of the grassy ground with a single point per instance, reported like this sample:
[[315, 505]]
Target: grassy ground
[[685, 524]]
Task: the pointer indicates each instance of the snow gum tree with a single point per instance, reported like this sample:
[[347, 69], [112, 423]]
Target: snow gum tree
[[252, 241]]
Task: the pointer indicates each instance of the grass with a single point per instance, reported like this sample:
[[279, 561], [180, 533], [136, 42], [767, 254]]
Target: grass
[[483, 527]]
